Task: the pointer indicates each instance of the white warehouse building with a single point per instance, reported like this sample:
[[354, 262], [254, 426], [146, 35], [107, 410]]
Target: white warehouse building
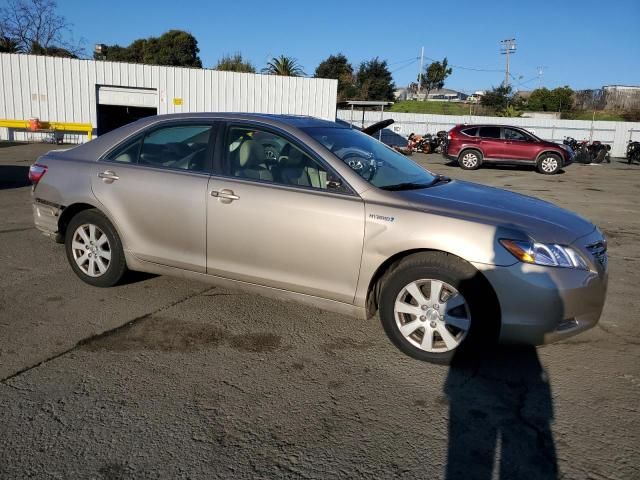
[[105, 95]]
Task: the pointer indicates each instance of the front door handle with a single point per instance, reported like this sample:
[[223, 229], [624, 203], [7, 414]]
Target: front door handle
[[108, 176], [225, 195]]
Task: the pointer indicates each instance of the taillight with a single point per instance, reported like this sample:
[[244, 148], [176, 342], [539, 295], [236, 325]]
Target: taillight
[[36, 172]]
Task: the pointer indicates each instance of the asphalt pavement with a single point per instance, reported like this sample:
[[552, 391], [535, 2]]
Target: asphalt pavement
[[166, 378]]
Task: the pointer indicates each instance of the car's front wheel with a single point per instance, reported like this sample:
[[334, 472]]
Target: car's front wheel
[[549, 164], [434, 304], [94, 249]]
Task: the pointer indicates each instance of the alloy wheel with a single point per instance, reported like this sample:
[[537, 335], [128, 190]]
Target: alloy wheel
[[91, 250], [432, 315]]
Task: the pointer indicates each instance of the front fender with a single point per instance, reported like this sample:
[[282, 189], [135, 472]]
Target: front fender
[[391, 231]]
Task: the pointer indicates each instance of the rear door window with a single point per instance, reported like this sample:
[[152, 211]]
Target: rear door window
[[490, 132], [127, 153], [183, 147], [513, 134]]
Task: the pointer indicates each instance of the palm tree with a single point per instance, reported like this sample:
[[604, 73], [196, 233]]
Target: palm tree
[[284, 66]]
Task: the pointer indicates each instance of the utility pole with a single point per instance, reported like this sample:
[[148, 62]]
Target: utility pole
[[507, 47], [540, 73], [420, 71]]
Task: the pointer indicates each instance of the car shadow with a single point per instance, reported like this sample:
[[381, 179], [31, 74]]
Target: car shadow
[[493, 166], [136, 277], [14, 176]]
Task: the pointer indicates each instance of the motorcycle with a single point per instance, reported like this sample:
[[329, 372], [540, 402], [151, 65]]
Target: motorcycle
[[417, 143], [633, 152], [599, 152], [586, 153], [441, 139]]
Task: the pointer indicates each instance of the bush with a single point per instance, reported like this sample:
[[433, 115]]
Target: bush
[[632, 115]]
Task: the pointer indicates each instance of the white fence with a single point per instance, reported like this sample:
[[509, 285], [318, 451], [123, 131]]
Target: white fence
[[616, 134]]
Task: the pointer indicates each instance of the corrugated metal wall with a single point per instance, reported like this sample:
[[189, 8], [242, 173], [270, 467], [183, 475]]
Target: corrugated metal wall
[[616, 134], [63, 89]]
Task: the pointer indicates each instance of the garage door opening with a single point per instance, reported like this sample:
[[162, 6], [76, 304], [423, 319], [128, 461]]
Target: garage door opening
[[111, 117], [118, 106]]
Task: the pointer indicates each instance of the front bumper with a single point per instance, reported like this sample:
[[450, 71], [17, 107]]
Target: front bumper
[[546, 304]]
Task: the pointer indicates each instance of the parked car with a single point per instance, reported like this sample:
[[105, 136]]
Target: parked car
[[473, 145], [304, 209]]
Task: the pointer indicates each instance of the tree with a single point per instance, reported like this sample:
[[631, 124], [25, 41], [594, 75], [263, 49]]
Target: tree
[[556, 100], [374, 81], [33, 26], [284, 66], [175, 48], [37, 49], [338, 68], [435, 74], [234, 63], [7, 45], [498, 98]]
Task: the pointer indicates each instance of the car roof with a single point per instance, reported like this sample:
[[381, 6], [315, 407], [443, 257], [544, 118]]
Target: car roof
[[297, 121], [475, 125]]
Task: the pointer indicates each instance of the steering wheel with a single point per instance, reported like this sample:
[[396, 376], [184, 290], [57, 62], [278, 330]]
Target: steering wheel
[[365, 167], [271, 154]]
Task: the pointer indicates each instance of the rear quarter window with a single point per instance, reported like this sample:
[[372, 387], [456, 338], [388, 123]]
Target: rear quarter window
[[470, 132]]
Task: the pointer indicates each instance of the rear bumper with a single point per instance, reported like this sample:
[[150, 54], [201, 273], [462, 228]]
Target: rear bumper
[[544, 304], [45, 217]]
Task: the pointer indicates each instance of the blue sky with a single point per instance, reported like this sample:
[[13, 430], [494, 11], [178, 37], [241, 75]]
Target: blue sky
[[584, 44]]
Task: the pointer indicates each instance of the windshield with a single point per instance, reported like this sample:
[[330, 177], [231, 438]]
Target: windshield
[[378, 164]]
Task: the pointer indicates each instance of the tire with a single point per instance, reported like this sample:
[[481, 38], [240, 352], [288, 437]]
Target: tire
[[549, 164], [464, 317], [600, 156], [470, 160], [94, 249]]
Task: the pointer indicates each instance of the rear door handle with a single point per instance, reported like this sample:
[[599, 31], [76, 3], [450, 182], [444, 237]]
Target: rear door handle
[[108, 176], [225, 195]]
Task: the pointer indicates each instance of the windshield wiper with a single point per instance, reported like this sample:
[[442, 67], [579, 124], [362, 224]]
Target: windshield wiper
[[406, 186], [439, 179], [415, 185]]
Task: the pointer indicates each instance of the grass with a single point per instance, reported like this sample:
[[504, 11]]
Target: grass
[[585, 115], [439, 108], [455, 108]]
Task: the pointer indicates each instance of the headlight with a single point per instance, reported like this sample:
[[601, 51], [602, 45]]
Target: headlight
[[548, 255]]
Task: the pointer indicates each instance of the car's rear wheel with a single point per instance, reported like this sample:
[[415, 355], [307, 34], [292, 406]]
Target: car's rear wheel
[[470, 160], [432, 306], [549, 164], [94, 249]]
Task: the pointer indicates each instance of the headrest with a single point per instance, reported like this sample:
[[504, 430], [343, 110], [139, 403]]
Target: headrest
[[251, 154]]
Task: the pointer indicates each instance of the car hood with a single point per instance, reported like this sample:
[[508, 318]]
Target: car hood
[[540, 220]]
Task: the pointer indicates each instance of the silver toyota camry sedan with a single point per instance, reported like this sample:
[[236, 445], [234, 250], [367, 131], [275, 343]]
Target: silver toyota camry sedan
[[312, 211]]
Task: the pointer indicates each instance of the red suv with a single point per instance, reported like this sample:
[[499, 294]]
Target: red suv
[[472, 145]]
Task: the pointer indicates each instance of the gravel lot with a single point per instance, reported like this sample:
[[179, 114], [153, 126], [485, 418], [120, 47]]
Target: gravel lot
[[164, 378]]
